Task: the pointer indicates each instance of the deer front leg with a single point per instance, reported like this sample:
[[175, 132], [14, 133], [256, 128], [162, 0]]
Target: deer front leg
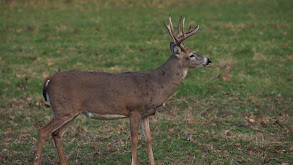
[[145, 128], [135, 119]]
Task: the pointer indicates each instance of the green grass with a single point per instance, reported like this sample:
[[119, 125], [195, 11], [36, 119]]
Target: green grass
[[238, 111]]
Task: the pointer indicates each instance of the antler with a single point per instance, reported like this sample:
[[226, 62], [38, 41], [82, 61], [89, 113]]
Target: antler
[[181, 36]]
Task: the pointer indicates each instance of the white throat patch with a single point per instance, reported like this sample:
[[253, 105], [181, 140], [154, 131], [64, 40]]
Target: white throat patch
[[184, 73]]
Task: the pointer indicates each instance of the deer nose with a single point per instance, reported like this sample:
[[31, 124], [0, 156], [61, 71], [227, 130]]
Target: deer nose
[[208, 61]]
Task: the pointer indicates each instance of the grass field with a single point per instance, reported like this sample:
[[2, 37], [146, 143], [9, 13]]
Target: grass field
[[238, 111]]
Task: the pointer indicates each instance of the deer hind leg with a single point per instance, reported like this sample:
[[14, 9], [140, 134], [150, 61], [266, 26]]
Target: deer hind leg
[[134, 125], [45, 131], [145, 128], [57, 136]]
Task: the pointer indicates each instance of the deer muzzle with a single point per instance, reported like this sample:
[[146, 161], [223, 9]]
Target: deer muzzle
[[207, 62]]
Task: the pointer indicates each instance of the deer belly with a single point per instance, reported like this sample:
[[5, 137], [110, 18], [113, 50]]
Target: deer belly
[[104, 116]]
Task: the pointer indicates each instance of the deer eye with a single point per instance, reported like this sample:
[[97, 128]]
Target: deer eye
[[191, 56]]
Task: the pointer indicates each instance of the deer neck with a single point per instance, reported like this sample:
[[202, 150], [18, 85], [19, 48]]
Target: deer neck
[[170, 75]]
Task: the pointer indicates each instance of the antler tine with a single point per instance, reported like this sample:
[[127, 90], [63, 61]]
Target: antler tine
[[175, 37], [183, 29], [169, 28], [190, 33], [189, 29]]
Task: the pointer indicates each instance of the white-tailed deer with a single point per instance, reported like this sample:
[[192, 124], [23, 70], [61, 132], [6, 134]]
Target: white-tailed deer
[[133, 95]]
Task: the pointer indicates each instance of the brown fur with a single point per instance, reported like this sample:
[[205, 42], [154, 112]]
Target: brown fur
[[132, 94]]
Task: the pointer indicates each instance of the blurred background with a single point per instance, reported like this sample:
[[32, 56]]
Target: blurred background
[[238, 111]]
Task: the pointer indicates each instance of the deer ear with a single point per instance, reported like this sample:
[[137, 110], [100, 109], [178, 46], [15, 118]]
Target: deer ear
[[174, 48], [172, 45]]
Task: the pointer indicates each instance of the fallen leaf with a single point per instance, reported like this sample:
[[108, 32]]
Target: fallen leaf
[[85, 129], [8, 130], [18, 75], [189, 117], [120, 128], [227, 156], [118, 142], [109, 144], [291, 128], [29, 99], [171, 131], [237, 144], [228, 132], [252, 99], [94, 146], [191, 122], [205, 132], [227, 76], [50, 63], [111, 133], [34, 139], [251, 120], [72, 141], [262, 121], [212, 87], [278, 150], [26, 135]]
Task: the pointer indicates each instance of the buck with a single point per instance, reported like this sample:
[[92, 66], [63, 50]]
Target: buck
[[133, 95]]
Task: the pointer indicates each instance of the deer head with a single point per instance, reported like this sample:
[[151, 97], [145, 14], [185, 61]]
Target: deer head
[[187, 58]]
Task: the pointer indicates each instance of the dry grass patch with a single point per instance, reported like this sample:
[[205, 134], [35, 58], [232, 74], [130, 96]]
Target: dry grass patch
[[261, 57]]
